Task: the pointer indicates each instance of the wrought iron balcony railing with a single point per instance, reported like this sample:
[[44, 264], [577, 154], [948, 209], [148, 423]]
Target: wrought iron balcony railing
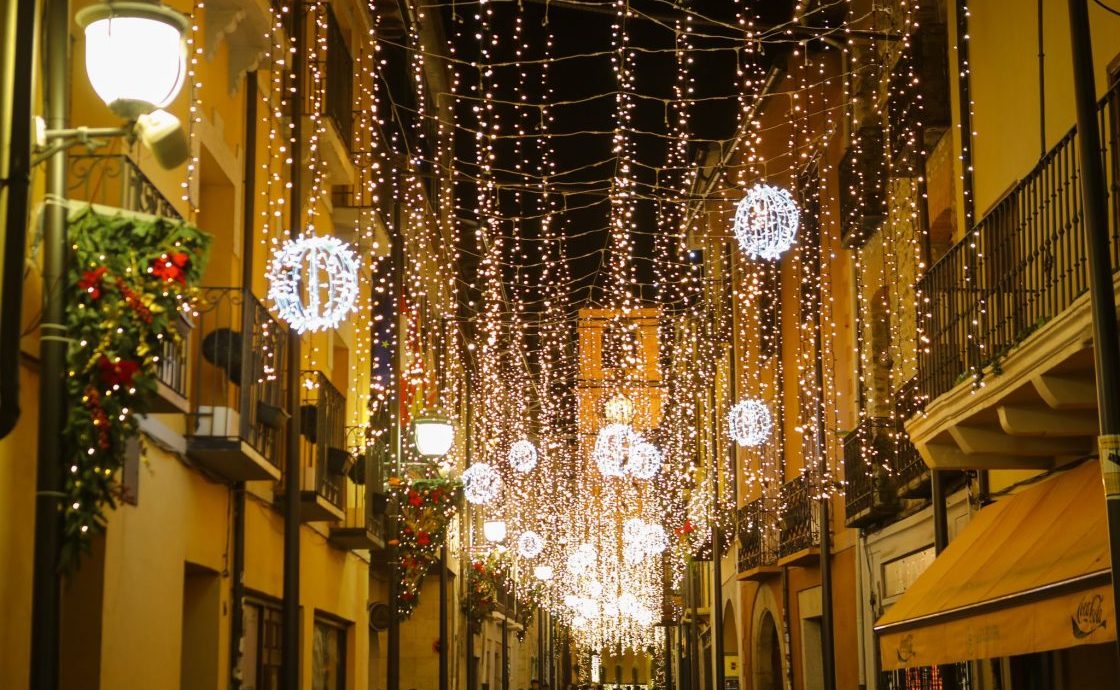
[[799, 526], [322, 429], [115, 180], [1022, 265], [758, 535]]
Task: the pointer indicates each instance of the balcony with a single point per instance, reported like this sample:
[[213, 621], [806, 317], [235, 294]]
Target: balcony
[[114, 180], [863, 205], [870, 489], [799, 524], [1007, 368], [173, 370], [758, 540], [237, 422], [331, 95], [324, 459], [363, 526]]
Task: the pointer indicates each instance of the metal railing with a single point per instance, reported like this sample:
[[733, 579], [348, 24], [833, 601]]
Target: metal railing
[[115, 180], [1022, 265], [322, 430], [174, 365], [239, 382], [758, 535], [868, 461], [799, 525]]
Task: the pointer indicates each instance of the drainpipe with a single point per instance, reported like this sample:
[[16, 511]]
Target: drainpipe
[[717, 560], [443, 634], [17, 179], [393, 663], [290, 636], [45, 613], [472, 670], [505, 651], [1106, 343], [693, 631], [237, 616]]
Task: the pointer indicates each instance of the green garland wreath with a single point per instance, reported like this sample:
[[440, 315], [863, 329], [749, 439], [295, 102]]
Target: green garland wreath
[[426, 508], [127, 280]]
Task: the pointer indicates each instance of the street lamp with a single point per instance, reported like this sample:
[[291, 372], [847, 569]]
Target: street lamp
[[136, 57], [433, 434], [494, 531]]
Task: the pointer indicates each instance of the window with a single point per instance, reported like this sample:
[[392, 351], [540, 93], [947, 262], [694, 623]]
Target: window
[[259, 666], [328, 656]]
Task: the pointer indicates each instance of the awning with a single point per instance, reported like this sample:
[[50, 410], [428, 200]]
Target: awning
[[1030, 573]]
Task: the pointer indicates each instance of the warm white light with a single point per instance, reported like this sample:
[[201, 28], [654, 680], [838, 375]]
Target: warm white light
[[543, 572], [136, 58], [619, 409], [749, 422], [494, 531], [644, 460], [481, 483], [433, 435], [523, 456], [766, 222], [530, 544], [582, 558], [611, 448], [313, 281]]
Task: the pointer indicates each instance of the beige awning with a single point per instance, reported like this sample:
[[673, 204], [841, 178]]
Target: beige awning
[[1030, 573]]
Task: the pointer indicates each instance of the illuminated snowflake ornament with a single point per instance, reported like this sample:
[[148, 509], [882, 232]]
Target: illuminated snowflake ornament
[[749, 422], [313, 282], [766, 222], [522, 456], [611, 449], [530, 544], [481, 483]]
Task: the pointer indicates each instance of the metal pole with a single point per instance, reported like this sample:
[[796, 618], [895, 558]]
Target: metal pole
[[472, 670], [45, 614], [290, 657], [717, 559], [444, 644], [393, 663], [505, 653], [693, 632], [668, 658], [1106, 343]]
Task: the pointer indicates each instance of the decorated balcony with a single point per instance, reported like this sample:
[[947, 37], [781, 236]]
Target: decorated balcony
[[758, 540], [173, 371], [364, 523], [236, 426], [324, 458], [799, 523], [870, 487]]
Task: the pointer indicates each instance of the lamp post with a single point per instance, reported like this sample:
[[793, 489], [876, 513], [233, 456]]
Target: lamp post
[[153, 29]]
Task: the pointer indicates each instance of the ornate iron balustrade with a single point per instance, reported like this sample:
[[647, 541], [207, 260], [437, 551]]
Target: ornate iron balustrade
[[799, 526], [757, 535], [867, 463], [115, 180], [239, 381], [173, 367], [322, 428], [1022, 265]]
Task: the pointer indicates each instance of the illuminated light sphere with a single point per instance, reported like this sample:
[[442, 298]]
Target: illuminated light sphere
[[313, 282], [494, 531], [656, 541], [633, 553], [530, 544], [481, 483], [644, 460], [642, 615], [749, 422], [593, 588], [766, 222], [581, 558], [543, 572], [522, 456], [619, 409], [611, 448], [641, 539]]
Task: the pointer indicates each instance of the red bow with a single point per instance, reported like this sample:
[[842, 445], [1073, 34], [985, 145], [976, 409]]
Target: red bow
[[91, 282], [117, 373]]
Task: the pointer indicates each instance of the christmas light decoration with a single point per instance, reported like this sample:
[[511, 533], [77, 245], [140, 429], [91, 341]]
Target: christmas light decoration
[[611, 449], [581, 559], [544, 573], [529, 544], [619, 409], [643, 460], [749, 422], [481, 483], [766, 222], [523, 456], [313, 282]]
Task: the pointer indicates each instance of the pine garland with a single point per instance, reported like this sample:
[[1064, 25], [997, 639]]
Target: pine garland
[[128, 279], [426, 508]]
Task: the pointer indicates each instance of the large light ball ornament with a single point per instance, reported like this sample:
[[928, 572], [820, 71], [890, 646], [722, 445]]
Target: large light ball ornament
[[644, 460], [313, 281], [481, 483], [581, 559], [530, 544], [611, 448], [749, 422], [641, 539], [522, 456], [766, 222]]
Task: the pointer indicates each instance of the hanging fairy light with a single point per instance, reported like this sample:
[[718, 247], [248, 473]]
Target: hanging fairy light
[[611, 448], [619, 409], [313, 281], [643, 461], [530, 544], [642, 539], [523, 456], [766, 222], [543, 573], [749, 422], [481, 483]]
